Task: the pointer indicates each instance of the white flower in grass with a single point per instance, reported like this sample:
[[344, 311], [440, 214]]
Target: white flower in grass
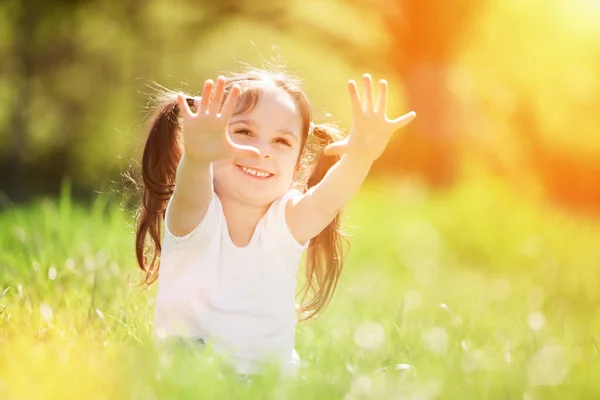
[[436, 340], [351, 368], [360, 388], [536, 321], [406, 371], [70, 264], [369, 335], [548, 367], [161, 333], [46, 311], [52, 273]]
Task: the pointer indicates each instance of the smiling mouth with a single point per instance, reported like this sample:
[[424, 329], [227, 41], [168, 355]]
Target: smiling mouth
[[257, 173]]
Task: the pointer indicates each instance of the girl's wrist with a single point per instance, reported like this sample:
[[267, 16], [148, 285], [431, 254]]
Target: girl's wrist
[[194, 160], [359, 160]]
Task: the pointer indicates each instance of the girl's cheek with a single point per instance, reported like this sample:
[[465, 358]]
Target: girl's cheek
[[291, 163]]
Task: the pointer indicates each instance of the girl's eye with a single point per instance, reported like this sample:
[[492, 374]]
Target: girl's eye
[[283, 141], [244, 132]]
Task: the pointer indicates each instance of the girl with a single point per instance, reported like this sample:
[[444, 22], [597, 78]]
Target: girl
[[245, 183]]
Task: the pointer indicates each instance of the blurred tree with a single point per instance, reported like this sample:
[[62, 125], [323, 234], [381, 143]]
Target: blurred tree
[[427, 36], [533, 90], [30, 54], [72, 71], [42, 48], [423, 40], [570, 179]]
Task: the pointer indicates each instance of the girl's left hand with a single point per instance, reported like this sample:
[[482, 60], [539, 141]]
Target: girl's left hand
[[371, 129]]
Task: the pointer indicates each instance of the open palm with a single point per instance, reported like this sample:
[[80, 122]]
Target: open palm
[[371, 129], [205, 131]]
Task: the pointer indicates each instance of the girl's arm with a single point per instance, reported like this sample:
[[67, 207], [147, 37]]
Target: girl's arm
[[205, 140], [370, 132], [192, 194]]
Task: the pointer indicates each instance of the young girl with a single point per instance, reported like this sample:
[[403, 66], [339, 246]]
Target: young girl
[[245, 183]]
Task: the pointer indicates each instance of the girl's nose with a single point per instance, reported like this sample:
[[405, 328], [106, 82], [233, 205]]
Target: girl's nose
[[265, 150]]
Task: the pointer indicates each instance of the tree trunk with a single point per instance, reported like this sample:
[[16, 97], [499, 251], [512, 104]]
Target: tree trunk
[[14, 178], [427, 146], [426, 35]]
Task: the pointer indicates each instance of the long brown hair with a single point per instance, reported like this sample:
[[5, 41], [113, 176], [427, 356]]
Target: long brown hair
[[163, 151]]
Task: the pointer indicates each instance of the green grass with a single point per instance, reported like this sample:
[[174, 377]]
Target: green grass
[[481, 291]]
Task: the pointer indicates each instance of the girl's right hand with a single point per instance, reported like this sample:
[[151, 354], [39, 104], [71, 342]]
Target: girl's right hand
[[205, 132]]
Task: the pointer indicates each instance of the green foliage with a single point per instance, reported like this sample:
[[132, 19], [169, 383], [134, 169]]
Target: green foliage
[[475, 293], [76, 74], [78, 79]]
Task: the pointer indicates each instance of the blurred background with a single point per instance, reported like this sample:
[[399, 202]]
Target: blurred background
[[510, 88], [475, 251]]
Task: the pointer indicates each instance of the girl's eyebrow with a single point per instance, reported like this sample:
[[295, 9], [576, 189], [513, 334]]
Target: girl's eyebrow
[[286, 132]]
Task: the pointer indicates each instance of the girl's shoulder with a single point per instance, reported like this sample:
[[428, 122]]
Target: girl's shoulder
[[210, 222], [276, 225]]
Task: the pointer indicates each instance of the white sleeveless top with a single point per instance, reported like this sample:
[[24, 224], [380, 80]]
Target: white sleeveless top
[[239, 299]]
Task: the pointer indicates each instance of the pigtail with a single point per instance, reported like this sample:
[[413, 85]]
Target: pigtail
[[162, 153], [325, 253]]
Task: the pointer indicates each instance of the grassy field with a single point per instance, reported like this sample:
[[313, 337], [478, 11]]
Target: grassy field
[[476, 293]]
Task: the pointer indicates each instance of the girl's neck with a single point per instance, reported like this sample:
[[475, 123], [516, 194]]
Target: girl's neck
[[241, 218]]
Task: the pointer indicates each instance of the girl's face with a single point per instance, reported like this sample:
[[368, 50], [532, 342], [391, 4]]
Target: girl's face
[[274, 127]]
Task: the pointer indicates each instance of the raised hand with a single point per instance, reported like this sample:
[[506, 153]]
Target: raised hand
[[205, 131], [371, 129]]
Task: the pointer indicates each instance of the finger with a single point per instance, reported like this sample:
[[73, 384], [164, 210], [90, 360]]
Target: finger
[[215, 102], [403, 120], [336, 148], [368, 91], [244, 151], [206, 91], [184, 108], [354, 98], [382, 98], [230, 103]]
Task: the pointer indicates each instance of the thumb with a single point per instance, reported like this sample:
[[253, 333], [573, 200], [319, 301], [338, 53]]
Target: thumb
[[245, 151], [184, 108], [403, 120]]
